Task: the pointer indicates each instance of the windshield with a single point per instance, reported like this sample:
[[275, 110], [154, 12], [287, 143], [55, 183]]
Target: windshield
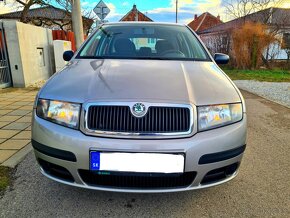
[[144, 41]]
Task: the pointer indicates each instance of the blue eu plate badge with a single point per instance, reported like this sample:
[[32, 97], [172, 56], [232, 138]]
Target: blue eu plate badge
[[94, 160]]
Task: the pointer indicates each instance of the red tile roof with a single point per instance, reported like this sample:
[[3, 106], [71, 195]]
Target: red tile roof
[[204, 21], [131, 15]]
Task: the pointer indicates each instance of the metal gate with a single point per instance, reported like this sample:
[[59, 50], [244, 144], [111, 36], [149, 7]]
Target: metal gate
[[5, 77]]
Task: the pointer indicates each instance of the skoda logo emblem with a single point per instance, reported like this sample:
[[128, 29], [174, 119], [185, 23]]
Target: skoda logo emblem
[[139, 110]]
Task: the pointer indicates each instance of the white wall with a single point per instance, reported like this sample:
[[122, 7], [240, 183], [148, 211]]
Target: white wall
[[30, 52], [59, 47]]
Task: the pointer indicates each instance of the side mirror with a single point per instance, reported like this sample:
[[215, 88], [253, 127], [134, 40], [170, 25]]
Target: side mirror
[[221, 58], [67, 55]]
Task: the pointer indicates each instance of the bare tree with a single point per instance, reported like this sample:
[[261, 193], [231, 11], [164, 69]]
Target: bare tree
[[64, 24], [242, 8], [26, 4]]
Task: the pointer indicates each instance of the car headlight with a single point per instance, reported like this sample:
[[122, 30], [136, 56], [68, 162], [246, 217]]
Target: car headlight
[[63, 113], [214, 116]]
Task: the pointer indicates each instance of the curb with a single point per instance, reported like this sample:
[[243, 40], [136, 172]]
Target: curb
[[18, 157]]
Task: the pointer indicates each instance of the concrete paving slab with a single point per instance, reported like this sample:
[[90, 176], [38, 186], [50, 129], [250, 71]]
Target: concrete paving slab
[[31, 93], [30, 99], [23, 135], [27, 107], [11, 96], [25, 119], [21, 98], [11, 107], [9, 118], [4, 102], [3, 112], [21, 91], [6, 154], [18, 112], [14, 144], [3, 123], [6, 134], [21, 103], [17, 126]]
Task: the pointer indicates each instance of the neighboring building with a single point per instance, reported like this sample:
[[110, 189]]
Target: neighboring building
[[135, 15], [204, 21], [218, 38], [49, 17]]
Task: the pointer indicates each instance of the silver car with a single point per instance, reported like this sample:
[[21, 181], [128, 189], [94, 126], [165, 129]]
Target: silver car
[[141, 107]]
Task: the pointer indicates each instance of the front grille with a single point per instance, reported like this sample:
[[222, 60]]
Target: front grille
[[158, 119], [137, 180]]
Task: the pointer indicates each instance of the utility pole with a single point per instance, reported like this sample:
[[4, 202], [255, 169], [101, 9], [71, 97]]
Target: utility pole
[[176, 3], [77, 23]]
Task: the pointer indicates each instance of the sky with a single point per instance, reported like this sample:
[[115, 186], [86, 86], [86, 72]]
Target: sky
[[160, 10], [157, 10]]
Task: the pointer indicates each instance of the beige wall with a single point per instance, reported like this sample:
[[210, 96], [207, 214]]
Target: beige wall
[[30, 53]]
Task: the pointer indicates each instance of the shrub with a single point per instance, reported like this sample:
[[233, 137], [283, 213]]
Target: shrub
[[249, 43]]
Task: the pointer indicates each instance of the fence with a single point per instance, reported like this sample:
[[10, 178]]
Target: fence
[[5, 77]]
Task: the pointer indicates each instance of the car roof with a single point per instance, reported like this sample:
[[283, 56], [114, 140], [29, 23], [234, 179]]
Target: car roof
[[126, 23]]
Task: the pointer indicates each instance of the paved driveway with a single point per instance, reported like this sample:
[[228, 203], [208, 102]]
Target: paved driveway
[[15, 122], [262, 188]]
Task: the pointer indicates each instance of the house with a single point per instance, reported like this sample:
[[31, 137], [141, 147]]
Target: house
[[49, 17], [204, 21], [135, 15], [218, 38]]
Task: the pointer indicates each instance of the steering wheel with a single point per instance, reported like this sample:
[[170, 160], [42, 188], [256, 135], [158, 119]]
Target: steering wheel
[[172, 52]]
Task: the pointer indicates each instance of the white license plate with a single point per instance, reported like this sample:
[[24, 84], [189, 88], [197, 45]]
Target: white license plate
[[137, 162]]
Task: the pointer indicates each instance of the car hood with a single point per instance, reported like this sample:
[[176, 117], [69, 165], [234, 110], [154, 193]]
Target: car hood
[[83, 80]]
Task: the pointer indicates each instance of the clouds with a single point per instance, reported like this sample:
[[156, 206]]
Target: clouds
[[209, 5], [125, 4], [114, 15]]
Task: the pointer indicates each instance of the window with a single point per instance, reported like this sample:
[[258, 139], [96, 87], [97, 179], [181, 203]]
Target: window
[[286, 41]]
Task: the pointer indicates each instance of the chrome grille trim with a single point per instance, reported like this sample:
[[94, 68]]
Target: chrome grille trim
[[115, 134]]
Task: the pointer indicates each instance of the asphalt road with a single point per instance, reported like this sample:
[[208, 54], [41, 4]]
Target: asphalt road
[[262, 188]]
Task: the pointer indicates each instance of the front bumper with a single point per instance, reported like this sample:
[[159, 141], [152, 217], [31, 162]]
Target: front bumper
[[205, 152]]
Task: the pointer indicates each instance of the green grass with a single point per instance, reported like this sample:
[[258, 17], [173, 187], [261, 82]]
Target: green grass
[[259, 75], [4, 178]]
